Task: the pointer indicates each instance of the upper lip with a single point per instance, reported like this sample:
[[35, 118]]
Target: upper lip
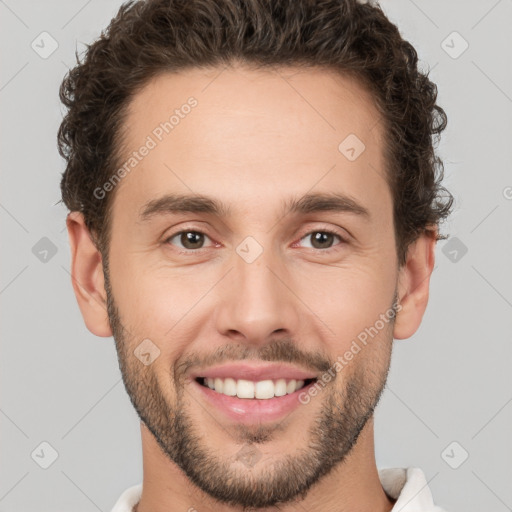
[[254, 372]]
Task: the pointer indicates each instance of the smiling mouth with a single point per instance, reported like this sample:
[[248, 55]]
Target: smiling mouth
[[257, 390]]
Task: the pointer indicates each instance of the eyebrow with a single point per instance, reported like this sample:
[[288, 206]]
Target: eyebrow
[[196, 203]]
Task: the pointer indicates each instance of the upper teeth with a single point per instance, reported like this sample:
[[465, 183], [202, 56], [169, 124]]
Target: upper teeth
[[247, 389]]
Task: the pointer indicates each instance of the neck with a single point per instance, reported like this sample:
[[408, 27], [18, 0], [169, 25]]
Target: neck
[[352, 485]]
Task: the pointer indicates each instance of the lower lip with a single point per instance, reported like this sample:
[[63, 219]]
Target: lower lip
[[252, 410]]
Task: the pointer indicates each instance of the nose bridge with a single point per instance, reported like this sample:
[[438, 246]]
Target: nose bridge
[[258, 302]]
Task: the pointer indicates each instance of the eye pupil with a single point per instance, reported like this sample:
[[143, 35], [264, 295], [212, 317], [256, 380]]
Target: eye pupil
[[323, 238], [190, 239]]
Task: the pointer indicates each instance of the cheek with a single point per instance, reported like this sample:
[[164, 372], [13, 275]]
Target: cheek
[[349, 299], [161, 306]]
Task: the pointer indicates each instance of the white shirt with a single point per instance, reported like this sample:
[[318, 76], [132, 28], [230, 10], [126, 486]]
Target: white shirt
[[407, 485]]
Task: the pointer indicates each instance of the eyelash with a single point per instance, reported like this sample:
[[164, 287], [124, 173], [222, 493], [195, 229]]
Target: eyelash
[[192, 230]]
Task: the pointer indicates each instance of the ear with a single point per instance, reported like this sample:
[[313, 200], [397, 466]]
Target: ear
[[87, 276], [413, 285]]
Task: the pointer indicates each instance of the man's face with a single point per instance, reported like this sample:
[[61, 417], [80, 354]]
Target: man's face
[[259, 289]]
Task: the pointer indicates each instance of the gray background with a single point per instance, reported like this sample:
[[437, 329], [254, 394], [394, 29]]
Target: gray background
[[449, 383]]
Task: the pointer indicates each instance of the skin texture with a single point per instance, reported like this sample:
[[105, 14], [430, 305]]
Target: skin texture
[[254, 140]]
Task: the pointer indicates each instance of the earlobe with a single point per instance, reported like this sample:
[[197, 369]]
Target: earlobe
[[414, 284], [87, 276]]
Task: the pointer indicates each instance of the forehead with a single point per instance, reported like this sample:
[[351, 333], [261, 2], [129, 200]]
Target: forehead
[[245, 135]]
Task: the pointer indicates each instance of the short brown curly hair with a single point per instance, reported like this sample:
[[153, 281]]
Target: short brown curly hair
[[154, 36]]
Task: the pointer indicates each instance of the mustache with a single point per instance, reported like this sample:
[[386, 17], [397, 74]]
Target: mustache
[[284, 350]]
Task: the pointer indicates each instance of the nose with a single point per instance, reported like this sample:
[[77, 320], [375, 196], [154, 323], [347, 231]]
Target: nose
[[257, 302]]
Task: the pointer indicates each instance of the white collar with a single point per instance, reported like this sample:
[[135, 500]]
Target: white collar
[[410, 488]]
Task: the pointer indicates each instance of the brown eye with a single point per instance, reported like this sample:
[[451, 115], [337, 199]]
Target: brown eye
[[189, 240], [192, 239], [323, 239]]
